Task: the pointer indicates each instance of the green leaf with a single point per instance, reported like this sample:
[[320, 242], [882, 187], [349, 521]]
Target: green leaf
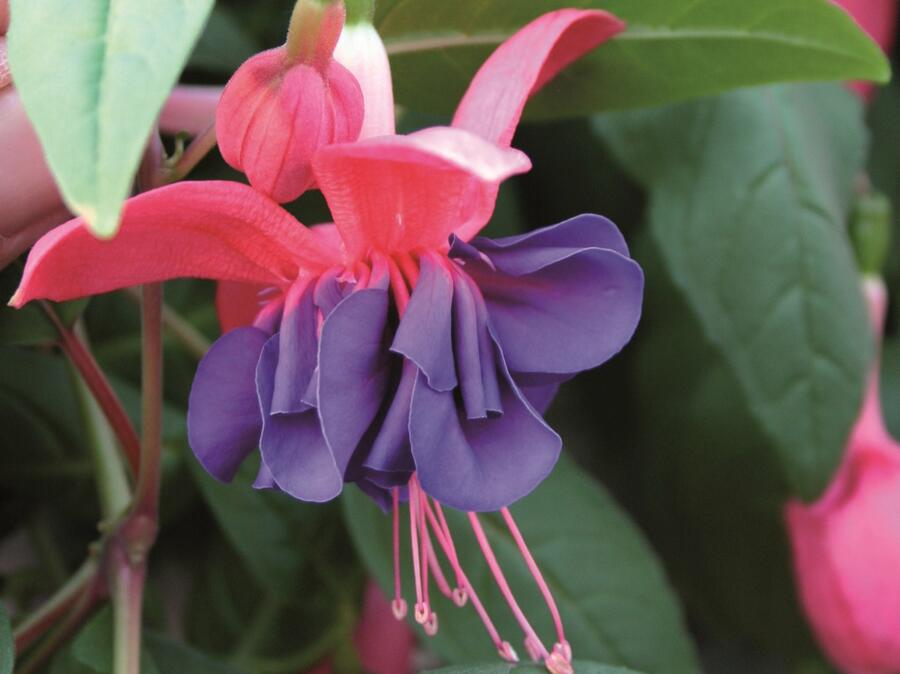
[[93, 647], [7, 646], [749, 194], [93, 76], [580, 666], [672, 49], [615, 601], [30, 324], [172, 657], [224, 44], [255, 524]]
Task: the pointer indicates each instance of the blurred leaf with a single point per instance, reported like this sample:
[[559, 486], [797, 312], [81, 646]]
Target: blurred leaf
[[671, 50], [30, 324], [748, 198], [259, 532], [706, 481], [172, 657], [224, 44], [890, 384], [581, 667], [93, 76], [7, 647], [93, 647], [615, 601]]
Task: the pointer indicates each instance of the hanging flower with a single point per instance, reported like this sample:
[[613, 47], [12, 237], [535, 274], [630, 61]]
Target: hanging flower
[[396, 348], [847, 544]]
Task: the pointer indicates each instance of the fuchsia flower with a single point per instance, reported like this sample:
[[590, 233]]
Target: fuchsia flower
[[283, 104], [395, 349], [847, 545]]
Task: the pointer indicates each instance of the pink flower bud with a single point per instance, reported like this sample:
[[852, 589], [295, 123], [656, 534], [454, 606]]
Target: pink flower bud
[[847, 545], [283, 104]]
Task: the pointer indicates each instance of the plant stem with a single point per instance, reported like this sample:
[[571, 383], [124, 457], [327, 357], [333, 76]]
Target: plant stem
[[193, 155], [147, 491], [132, 542], [99, 386], [33, 626], [113, 490], [187, 335]]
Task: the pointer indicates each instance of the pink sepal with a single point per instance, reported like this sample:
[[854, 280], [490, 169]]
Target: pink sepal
[[400, 193], [493, 103], [213, 229]]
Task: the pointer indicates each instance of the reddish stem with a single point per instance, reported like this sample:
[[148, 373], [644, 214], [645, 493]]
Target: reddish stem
[[100, 388]]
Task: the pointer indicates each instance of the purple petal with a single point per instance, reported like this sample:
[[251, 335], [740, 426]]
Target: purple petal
[[354, 369], [482, 464], [329, 291], [264, 478], [292, 445], [529, 252], [541, 396], [390, 451], [569, 316], [474, 351], [297, 354], [224, 423], [424, 335]]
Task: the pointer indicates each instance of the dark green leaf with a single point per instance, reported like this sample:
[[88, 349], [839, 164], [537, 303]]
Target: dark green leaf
[[30, 324], [581, 667], [255, 526], [7, 647], [172, 657], [672, 50], [748, 198], [224, 44], [93, 76], [93, 647], [614, 598]]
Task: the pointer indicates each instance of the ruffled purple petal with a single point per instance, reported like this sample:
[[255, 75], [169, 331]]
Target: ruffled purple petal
[[481, 464], [568, 316], [297, 351], [354, 369], [224, 422], [424, 335], [540, 396], [474, 351], [389, 453], [529, 252], [292, 445]]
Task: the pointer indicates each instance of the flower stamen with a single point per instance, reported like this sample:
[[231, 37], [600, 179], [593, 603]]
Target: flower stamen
[[561, 646], [532, 641], [398, 606]]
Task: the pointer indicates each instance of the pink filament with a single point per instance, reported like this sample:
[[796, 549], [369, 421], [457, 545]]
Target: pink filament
[[530, 635], [421, 612], [502, 646], [399, 604], [538, 577], [434, 564]]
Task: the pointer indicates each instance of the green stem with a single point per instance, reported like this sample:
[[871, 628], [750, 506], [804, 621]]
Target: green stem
[[259, 627], [201, 146], [194, 341], [113, 489], [147, 490], [33, 626]]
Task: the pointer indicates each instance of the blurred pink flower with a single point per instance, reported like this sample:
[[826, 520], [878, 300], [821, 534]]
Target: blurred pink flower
[[847, 544], [384, 645], [879, 19]]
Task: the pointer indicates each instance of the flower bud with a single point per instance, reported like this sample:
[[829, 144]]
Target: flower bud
[[283, 104], [847, 545]]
